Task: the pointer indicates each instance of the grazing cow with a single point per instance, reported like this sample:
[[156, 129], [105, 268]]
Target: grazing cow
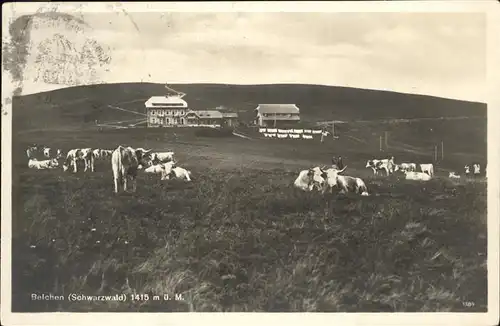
[[427, 168], [467, 169], [309, 179], [420, 176], [43, 165], [125, 162], [453, 175], [403, 167], [75, 155], [162, 157], [102, 153], [378, 165], [97, 153]]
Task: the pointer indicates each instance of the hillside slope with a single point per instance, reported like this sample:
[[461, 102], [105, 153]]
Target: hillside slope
[[80, 106]]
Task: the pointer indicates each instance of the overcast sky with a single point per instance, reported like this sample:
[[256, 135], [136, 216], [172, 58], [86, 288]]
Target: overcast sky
[[440, 54]]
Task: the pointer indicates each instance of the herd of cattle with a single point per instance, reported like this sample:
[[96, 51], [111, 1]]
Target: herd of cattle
[[325, 179], [125, 162]]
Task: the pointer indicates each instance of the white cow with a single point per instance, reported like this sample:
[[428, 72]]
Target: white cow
[[43, 165], [453, 175], [420, 176], [347, 183], [162, 157], [309, 179], [125, 162], [344, 183], [403, 167], [79, 154], [427, 168], [156, 169], [378, 165], [48, 153], [102, 153], [477, 168], [172, 171]]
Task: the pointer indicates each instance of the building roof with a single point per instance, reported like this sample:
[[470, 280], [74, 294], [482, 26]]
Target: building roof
[[229, 114], [174, 101], [207, 114], [277, 108], [272, 118], [214, 114]]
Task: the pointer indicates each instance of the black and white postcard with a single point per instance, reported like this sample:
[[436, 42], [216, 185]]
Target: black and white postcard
[[255, 162]]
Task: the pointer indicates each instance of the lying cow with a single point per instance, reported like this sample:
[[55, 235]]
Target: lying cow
[[76, 155], [309, 179], [125, 162], [453, 175], [344, 183], [170, 170], [386, 165], [155, 169], [43, 165], [420, 176], [427, 168], [162, 157]]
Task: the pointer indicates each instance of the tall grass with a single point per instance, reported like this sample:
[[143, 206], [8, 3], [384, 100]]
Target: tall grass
[[248, 241]]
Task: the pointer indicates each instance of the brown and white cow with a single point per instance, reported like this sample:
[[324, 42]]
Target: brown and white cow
[[79, 154], [125, 162]]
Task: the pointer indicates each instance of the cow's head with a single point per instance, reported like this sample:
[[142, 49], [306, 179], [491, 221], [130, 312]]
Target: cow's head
[[65, 167], [168, 171], [143, 155], [369, 163], [397, 167]]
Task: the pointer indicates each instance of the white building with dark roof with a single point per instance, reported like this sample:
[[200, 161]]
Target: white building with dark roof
[[166, 110], [270, 115], [211, 117]]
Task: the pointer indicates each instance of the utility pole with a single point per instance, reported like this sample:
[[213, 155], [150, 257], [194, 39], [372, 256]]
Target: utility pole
[[435, 153], [333, 130], [380, 138], [442, 150], [386, 136]]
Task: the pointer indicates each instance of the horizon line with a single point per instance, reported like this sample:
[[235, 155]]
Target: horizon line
[[61, 87]]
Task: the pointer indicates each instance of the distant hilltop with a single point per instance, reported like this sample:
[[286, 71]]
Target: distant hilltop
[[82, 105]]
